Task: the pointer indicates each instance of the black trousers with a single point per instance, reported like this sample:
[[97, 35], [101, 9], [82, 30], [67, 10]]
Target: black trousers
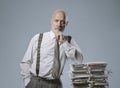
[[38, 82]]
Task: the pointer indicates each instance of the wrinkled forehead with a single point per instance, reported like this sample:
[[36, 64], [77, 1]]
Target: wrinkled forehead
[[59, 14]]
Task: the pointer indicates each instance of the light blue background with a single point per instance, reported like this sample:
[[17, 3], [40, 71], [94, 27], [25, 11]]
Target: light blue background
[[95, 25]]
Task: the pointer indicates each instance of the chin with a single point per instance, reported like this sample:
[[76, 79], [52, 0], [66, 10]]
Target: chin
[[61, 30]]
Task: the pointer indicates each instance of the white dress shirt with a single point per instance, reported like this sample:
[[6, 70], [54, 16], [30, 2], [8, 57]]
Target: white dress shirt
[[28, 64]]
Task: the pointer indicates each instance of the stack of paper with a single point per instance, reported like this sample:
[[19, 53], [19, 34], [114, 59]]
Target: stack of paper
[[89, 75]]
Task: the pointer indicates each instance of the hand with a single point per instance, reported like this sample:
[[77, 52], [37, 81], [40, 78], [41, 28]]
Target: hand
[[60, 37]]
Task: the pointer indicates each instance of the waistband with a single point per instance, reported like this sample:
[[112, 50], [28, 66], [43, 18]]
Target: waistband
[[44, 79]]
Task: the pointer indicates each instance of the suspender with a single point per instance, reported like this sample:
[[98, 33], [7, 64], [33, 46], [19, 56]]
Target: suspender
[[68, 38], [38, 54]]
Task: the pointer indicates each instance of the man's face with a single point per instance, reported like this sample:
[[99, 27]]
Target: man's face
[[58, 21]]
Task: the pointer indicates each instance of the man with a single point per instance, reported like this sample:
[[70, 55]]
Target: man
[[46, 78]]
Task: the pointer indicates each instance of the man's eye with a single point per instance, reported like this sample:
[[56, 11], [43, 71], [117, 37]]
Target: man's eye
[[63, 22], [56, 20]]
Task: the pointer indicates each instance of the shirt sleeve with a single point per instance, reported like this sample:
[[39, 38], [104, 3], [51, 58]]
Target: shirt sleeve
[[26, 63], [73, 51]]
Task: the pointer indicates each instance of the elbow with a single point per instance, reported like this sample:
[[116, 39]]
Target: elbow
[[78, 56]]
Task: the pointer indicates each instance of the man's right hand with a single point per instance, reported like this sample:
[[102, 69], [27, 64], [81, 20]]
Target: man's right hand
[[59, 36]]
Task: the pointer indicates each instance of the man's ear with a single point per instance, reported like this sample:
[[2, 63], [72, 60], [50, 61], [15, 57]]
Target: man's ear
[[66, 23]]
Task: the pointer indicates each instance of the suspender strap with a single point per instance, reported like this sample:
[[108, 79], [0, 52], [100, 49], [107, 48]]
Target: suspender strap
[[38, 53], [68, 38]]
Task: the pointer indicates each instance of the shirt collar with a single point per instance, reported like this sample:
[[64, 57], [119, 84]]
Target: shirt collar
[[52, 35]]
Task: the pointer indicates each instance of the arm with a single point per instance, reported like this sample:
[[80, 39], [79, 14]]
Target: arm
[[73, 51], [26, 63]]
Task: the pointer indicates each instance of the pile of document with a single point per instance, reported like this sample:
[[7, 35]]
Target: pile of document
[[89, 75]]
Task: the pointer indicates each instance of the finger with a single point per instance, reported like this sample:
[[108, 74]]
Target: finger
[[58, 37]]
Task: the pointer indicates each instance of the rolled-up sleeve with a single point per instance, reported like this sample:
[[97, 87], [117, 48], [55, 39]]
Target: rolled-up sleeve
[[73, 51]]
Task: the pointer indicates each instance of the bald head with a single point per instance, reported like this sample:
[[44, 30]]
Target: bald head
[[59, 12]]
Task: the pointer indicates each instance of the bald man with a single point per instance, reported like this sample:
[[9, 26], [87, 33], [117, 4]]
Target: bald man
[[44, 60]]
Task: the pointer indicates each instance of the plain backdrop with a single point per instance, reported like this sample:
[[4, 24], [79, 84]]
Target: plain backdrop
[[94, 24]]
